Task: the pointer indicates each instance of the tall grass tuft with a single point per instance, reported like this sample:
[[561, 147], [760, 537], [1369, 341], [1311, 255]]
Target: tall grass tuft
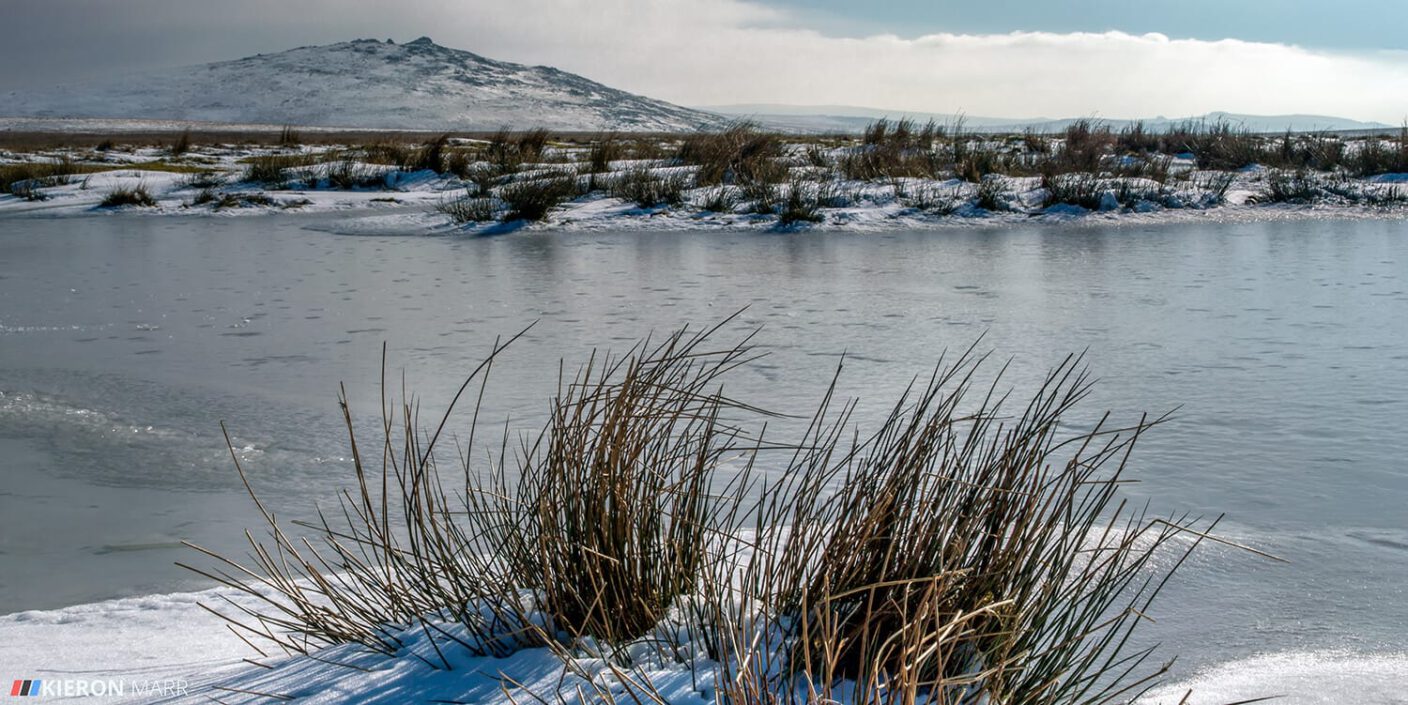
[[804, 203], [430, 156], [614, 506], [1085, 147], [120, 196], [889, 151], [182, 143], [1299, 186], [532, 145], [740, 154], [275, 170], [532, 199], [647, 188], [289, 136], [961, 551], [605, 149], [469, 208], [994, 193], [1084, 190], [972, 547]]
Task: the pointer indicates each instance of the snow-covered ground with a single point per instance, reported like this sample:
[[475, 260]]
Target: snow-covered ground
[[170, 643]]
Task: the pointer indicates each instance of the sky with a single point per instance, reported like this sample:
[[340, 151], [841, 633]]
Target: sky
[[999, 58]]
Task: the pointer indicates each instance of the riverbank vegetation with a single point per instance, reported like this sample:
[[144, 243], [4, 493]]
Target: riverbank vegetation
[[745, 174]]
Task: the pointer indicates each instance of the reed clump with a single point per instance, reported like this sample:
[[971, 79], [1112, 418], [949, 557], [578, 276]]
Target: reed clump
[[137, 196], [740, 154], [892, 150], [276, 170], [649, 188], [970, 547], [470, 208], [531, 199]]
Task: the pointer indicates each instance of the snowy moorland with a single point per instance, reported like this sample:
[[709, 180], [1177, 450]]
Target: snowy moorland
[[896, 175]]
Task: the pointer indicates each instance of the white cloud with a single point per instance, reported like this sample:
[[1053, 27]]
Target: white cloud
[[703, 52], [727, 51]]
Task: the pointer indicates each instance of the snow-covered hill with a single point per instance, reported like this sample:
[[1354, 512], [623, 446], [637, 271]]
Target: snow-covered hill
[[365, 83]]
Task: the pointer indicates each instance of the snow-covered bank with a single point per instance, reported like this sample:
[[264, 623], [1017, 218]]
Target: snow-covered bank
[[248, 180], [162, 638]]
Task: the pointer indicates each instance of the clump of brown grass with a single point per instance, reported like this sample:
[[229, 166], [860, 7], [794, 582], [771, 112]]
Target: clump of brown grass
[[605, 149], [964, 550], [648, 188], [892, 150], [120, 196], [740, 154], [959, 551], [531, 199]]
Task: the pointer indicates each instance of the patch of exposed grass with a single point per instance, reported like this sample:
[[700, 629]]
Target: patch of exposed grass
[[30, 176]]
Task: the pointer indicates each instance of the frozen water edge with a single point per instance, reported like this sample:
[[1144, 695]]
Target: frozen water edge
[[170, 638], [410, 210]]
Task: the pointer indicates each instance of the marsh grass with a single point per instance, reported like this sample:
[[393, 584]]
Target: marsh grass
[[994, 193], [28, 177], [348, 173], [1085, 147], [470, 208], [1081, 189], [136, 196], [649, 188], [1299, 186], [893, 150], [200, 180], [963, 551], [289, 136], [431, 156], [276, 171], [740, 154], [604, 150], [718, 199], [531, 199], [972, 544], [182, 143], [804, 202]]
